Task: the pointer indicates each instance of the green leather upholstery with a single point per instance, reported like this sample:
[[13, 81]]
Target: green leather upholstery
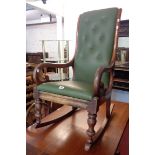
[[95, 46], [74, 89], [95, 43]]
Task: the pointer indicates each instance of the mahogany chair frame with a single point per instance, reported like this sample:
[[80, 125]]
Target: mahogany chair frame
[[91, 106]]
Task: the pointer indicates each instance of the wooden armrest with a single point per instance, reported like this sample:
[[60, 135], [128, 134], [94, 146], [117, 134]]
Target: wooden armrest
[[98, 75], [38, 76]]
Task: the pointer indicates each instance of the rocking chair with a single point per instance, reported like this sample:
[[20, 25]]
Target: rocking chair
[[93, 64]]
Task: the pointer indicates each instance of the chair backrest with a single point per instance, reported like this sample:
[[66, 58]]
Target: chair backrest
[[95, 42]]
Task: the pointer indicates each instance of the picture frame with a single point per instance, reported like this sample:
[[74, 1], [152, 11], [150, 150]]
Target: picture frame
[[122, 56]]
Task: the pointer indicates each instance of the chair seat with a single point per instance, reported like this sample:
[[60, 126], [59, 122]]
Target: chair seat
[[73, 89]]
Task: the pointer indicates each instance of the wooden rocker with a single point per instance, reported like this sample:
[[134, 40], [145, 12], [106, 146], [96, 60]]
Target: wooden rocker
[[93, 63]]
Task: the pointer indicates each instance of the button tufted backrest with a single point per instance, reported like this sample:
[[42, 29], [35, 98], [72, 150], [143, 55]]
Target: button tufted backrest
[[95, 43]]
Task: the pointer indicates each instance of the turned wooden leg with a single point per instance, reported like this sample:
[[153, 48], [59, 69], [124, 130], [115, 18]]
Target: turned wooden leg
[[38, 110], [92, 115], [37, 106], [90, 132], [108, 103]]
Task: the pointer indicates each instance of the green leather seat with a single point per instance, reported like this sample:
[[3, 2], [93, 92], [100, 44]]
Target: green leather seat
[[96, 31], [74, 89]]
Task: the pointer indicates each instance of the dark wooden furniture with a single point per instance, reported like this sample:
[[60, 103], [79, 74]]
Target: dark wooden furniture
[[30, 106], [29, 90], [67, 136], [124, 28], [29, 95], [121, 77], [35, 57], [29, 84], [97, 33], [121, 69]]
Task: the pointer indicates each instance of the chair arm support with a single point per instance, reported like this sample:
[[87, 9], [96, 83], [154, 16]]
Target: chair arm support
[[38, 76], [98, 75]]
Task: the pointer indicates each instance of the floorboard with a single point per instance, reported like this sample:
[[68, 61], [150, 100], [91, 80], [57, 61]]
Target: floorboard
[[68, 136]]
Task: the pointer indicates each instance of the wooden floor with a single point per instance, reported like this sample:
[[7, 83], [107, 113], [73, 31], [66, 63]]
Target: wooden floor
[[68, 136]]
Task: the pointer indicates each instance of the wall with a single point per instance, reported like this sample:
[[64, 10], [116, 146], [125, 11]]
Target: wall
[[33, 21], [123, 42], [36, 33], [70, 10]]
